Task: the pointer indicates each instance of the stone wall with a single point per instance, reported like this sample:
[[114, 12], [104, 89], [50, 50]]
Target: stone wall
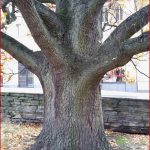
[[120, 114], [22, 107], [126, 115]]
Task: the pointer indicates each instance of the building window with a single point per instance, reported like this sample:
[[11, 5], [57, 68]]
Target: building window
[[25, 76], [116, 12]]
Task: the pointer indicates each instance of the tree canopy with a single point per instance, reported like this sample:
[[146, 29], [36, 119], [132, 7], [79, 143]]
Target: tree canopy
[[53, 26]]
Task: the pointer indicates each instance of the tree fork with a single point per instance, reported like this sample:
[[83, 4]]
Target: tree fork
[[70, 69]]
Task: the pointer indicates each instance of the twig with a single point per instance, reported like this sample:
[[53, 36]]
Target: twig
[[138, 69]]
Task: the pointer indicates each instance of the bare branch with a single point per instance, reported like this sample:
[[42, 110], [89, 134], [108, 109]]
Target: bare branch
[[128, 28], [94, 7], [128, 49], [118, 48], [46, 42], [20, 52], [139, 70], [51, 20], [89, 23], [10, 75], [121, 56], [110, 25], [135, 45]]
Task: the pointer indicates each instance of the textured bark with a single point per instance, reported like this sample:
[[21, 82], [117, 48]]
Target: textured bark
[[52, 21], [133, 45], [75, 121], [71, 64], [39, 32]]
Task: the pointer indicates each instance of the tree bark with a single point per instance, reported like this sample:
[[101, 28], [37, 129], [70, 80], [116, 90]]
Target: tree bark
[[70, 66], [73, 115]]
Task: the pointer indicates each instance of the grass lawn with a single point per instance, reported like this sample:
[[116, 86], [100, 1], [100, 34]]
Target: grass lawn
[[21, 136]]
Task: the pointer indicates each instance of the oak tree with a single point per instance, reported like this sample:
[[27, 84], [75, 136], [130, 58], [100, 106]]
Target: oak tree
[[71, 64]]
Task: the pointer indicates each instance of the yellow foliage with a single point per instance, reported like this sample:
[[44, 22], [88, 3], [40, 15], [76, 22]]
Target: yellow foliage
[[3, 16], [5, 57], [129, 78]]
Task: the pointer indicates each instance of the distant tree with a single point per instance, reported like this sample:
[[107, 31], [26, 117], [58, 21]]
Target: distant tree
[[71, 64]]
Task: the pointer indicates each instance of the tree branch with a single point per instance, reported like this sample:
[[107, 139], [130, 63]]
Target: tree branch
[[20, 52], [139, 70], [88, 34], [118, 48], [51, 20], [128, 49], [94, 7], [121, 56], [46, 42], [136, 45], [128, 28]]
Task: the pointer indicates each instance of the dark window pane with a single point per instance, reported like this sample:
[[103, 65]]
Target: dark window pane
[[30, 79], [121, 13], [117, 14], [25, 76]]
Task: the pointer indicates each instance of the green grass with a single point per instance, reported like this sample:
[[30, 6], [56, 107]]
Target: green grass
[[121, 140]]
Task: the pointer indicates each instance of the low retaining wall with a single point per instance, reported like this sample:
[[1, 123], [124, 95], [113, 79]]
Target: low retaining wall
[[120, 114], [126, 115]]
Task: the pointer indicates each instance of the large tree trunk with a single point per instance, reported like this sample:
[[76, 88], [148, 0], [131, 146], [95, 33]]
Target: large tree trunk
[[73, 116], [70, 65]]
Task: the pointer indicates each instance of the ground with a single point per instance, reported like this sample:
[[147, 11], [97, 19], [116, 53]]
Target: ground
[[21, 136]]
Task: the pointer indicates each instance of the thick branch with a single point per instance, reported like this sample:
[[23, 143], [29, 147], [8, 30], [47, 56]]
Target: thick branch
[[51, 20], [128, 28], [88, 32], [20, 52], [136, 45], [39, 32], [117, 51], [90, 17], [94, 7], [119, 57]]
